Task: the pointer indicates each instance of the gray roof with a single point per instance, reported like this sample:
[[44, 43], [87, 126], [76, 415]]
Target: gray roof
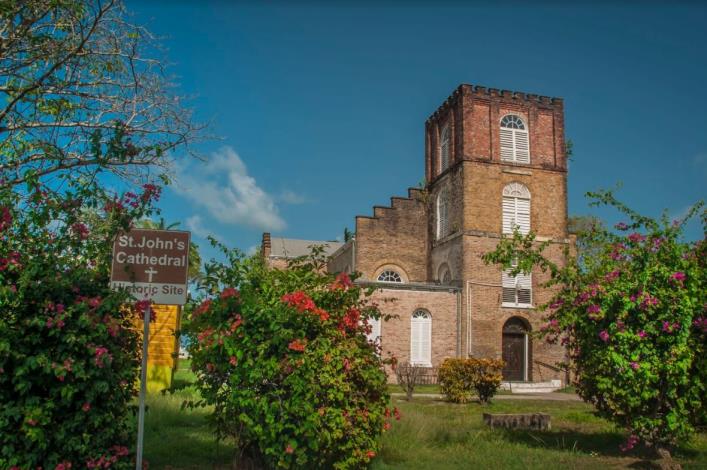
[[292, 248]]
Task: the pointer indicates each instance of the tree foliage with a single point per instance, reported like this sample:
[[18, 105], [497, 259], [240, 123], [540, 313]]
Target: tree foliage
[[633, 314], [82, 91], [283, 358]]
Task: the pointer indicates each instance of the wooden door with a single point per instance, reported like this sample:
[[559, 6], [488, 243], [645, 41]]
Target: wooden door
[[514, 357]]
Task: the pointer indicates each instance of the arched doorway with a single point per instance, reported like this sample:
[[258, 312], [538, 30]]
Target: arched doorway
[[517, 350]]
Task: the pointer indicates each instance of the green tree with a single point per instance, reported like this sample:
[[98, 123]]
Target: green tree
[[82, 93], [633, 316]]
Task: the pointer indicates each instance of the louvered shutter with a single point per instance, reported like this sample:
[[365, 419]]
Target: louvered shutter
[[444, 148], [524, 288], [520, 147], [421, 341], [509, 214], [522, 216], [517, 290], [509, 288], [426, 341], [507, 144], [443, 214]]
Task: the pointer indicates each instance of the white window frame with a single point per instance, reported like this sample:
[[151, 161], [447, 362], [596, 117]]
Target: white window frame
[[421, 326], [514, 140], [521, 281], [444, 147], [442, 213], [515, 209], [390, 273]]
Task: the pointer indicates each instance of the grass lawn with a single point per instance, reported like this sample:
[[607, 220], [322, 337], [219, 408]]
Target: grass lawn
[[431, 435]]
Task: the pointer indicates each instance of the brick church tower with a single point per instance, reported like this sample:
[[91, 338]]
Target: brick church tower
[[495, 160]]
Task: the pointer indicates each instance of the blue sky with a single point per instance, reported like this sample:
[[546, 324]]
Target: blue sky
[[321, 106]]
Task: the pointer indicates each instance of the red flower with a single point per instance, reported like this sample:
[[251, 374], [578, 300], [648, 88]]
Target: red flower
[[342, 282], [229, 292], [86, 406], [289, 449], [370, 454], [65, 465], [299, 300], [296, 345], [397, 414], [202, 308], [233, 360]]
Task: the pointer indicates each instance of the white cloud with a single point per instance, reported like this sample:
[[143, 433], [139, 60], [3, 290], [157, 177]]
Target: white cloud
[[223, 187], [195, 224], [290, 197]]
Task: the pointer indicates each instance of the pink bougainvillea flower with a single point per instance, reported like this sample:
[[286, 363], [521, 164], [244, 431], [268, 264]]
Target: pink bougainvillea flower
[[678, 276], [604, 335], [594, 308], [630, 443], [642, 334], [635, 365], [636, 237], [621, 226], [65, 465], [233, 360], [613, 275]]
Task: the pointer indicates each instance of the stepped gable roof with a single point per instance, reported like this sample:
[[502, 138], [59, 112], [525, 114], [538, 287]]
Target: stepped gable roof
[[292, 248]]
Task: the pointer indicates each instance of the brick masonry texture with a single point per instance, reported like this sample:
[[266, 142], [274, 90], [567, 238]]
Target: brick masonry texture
[[395, 333]]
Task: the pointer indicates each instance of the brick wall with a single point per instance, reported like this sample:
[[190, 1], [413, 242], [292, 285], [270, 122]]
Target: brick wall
[[395, 333], [395, 236]]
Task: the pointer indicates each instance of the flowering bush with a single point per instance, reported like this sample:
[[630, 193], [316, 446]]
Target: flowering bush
[[286, 363], [632, 313], [458, 378], [68, 352]]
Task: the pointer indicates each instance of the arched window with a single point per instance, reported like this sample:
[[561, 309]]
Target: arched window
[[421, 338], [516, 208], [389, 276], [514, 140], [517, 290], [442, 214], [444, 143]]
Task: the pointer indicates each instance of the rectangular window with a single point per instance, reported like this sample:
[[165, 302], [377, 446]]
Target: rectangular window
[[517, 290]]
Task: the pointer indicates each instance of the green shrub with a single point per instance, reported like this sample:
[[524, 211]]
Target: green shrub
[[285, 361], [69, 353], [459, 378], [632, 311]]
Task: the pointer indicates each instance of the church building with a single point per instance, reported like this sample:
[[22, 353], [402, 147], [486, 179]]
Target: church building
[[494, 160]]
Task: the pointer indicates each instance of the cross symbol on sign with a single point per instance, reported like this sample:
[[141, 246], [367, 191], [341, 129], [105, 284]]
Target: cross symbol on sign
[[150, 272]]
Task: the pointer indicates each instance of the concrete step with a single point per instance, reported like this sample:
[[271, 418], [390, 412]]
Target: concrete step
[[532, 387]]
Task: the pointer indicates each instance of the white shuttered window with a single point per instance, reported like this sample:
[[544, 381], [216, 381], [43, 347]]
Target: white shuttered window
[[442, 214], [421, 338], [514, 140], [516, 208], [517, 290], [444, 148]]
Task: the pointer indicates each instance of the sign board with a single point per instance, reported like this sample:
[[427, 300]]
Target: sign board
[[152, 264]]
